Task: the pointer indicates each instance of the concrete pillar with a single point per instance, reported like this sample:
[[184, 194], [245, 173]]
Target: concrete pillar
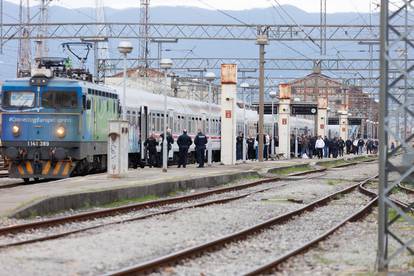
[[284, 120], [118, 147], [343, 125], [228, 113], [322, 117]]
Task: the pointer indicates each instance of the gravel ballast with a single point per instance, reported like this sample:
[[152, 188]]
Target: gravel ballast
[[113, 247], [243, 256]]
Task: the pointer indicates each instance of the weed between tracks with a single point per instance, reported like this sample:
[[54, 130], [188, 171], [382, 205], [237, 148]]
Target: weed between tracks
[[290, 170], [334, 182], [123, 202]]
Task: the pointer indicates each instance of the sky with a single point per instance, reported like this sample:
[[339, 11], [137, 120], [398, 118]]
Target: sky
[[307, 5]]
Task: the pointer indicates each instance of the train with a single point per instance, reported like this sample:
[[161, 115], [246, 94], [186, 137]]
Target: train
[[55, 123]]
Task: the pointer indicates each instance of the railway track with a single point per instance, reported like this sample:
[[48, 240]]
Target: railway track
[[21, 228], [269, 267], [87, 216], [176, 257], [406, 189]]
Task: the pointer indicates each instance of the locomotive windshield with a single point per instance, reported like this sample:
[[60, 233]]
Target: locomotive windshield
[[59, 99], [18, 99]]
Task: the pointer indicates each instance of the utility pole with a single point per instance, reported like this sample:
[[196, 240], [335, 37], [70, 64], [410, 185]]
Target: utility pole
[[144, 34], [262, 40]]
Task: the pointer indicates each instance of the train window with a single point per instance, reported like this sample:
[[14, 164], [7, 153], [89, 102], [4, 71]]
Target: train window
[[18, 99], [60, 99]]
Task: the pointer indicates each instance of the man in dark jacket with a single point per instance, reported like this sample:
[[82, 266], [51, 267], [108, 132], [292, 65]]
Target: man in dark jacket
[[348, 145], [184, 142], [326, 148], [239, 146], [341, 145], [150, 145], [251, 151], [200, 142], [170, 141], [361, 144], [311, 146], [334, 147]]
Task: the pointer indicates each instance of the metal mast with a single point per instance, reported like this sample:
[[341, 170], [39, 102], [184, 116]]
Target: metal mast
[[392, 170], [101, 46], [144, 35], [41, 46], [25, 51], [323, 28]]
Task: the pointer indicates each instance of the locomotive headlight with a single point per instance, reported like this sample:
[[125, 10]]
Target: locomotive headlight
[[16, 130], [60, 132]]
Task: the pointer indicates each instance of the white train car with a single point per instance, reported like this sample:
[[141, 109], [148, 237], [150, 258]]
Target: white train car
[[145, 112]]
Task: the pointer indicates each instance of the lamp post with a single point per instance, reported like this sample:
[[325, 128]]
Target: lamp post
[[210, 77], [125, 48], [165, 64], [244, 86], [273, 95]]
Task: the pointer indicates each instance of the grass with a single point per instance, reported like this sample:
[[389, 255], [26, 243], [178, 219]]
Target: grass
[[392, 214], [290, 170], [323, 260], [123, 202], [333, 163], [334, 182]]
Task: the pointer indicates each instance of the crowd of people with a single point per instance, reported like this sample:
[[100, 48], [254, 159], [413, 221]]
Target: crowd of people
[[323, 147], [303, 146]]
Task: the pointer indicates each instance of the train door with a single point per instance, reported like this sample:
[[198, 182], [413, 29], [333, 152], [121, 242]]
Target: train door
[[90, 117], [143, 123]]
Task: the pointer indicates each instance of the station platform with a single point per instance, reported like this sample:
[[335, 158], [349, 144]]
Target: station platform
[[18, 200], [22, 201]]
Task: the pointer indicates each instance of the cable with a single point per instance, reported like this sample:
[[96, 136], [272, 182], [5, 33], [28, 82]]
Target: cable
[[224, 13], [299, 26]]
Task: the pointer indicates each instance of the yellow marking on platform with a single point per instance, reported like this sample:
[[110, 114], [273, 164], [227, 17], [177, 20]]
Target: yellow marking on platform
[[20, 169], [66, 169], [46, 168], [29, 168], [57, 168]]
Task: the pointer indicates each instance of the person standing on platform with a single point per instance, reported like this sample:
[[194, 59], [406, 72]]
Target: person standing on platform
[[341, 145], [200, 142], [326, 148], [355, 146], [320, 145], [335, 148], [251, 151], [311, 146], [239, 146], [170, 141], [184, 142], [361, 144], [348, 145], [150, 145], [266, 148]]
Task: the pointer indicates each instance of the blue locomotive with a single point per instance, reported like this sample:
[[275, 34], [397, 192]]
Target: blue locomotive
[[54, 124]]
